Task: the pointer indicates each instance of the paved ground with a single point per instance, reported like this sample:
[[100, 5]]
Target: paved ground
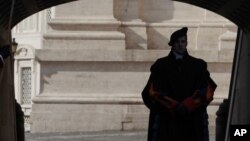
[[89, 136], [93, 136]]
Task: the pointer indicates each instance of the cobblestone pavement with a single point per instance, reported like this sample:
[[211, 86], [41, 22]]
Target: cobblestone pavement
[[92, 136]]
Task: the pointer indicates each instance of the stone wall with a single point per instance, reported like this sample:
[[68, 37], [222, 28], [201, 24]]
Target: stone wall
[[95, 59]]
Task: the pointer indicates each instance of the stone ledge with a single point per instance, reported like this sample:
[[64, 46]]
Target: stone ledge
[[135, 23], [193, 23], [87, 25], [86, 100], [228, 36], [97, 100], [102, 35], [103, 55], [175, 24]]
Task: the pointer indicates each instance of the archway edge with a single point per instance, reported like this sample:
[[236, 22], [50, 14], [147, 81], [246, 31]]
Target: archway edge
[[24, 9], [237, 11]]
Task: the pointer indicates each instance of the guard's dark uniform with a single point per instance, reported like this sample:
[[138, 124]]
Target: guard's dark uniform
[[178, 79]]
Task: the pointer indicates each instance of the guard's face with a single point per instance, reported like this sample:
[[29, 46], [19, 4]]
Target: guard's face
[[180, 45]]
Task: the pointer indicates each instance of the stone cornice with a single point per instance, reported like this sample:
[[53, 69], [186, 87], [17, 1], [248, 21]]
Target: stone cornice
[[85, 25], [123, 55], [192, 23], [84, 35], [87, 100], [96, 100]]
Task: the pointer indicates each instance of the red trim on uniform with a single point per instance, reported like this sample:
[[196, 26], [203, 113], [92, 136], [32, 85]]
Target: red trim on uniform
[[189, 104]]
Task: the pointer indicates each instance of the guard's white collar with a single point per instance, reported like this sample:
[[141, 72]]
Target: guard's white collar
[[178, 56]]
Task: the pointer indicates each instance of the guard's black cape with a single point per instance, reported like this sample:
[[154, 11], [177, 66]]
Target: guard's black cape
[[178, 80]]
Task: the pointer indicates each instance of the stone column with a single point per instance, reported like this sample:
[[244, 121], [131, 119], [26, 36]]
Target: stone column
[[127, 11], [155, 13], [88, 24], [164, 16]]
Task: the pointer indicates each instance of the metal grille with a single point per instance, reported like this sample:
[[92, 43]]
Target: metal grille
[[49, 14], [26, 86], [27, 120]]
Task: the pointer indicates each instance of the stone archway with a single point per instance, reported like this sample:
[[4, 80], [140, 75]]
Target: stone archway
[[119, 42]]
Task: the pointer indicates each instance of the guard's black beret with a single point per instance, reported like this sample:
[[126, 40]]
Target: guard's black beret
[[177, 34]]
